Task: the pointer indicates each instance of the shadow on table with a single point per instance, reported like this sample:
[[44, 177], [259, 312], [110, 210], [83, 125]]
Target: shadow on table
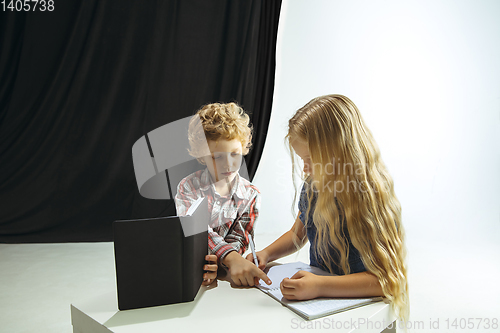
[[156, 313]]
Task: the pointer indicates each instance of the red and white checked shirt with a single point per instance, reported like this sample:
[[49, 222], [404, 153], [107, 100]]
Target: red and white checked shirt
[[240, 206]]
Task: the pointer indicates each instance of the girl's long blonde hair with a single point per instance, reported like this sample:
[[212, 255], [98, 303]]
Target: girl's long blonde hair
[[350, 180]]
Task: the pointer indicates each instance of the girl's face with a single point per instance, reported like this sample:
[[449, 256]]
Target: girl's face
[[225, 159], [302, 149]]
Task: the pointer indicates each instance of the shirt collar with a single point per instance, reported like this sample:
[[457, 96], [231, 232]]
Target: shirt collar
[[206, 183]]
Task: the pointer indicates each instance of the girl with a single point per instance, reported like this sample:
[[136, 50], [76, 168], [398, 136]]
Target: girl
[[347, 210]]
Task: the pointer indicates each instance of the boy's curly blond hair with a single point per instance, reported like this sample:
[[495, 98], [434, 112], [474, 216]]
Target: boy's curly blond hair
[[219, 122]]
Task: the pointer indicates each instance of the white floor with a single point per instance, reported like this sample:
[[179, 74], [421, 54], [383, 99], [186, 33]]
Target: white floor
[[38, 282]]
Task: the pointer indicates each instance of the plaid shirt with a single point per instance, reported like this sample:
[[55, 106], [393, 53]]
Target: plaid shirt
[[240, 206]]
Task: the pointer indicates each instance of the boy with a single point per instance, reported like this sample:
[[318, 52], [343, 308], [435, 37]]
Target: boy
[[232, 200]]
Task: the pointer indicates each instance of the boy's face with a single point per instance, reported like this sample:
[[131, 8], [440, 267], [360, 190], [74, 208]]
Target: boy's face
[[225, 159]]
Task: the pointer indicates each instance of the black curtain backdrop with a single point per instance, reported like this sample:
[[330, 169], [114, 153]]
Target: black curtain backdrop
[[79, 85]]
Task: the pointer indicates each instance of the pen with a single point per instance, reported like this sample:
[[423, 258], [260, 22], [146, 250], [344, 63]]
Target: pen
[[252, 247]]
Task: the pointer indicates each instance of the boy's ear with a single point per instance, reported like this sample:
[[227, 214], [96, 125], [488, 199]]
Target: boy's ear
[[246, 148]]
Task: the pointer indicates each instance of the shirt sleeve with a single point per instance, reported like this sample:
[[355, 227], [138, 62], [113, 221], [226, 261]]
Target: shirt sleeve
[[185, 197], [303, 203], [237, 239]]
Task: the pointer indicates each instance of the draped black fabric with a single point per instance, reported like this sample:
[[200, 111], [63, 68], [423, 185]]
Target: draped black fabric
[[79, 85]]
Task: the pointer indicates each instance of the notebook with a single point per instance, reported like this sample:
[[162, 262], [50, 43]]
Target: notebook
[[311, 309], [160, 261]]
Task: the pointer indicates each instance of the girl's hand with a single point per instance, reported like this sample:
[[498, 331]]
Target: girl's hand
[[262, 257], [301, 286], [211, 269]]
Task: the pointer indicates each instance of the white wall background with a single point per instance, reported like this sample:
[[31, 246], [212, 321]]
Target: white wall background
[[426, 78]]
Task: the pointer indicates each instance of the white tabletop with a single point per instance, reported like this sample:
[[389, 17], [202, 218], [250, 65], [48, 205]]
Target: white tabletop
[[220, 306]]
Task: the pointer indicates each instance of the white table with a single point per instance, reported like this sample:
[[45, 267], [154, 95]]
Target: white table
[[221, 306]]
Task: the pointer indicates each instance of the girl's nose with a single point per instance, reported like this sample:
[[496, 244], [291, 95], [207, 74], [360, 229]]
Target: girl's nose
[[306, 168]]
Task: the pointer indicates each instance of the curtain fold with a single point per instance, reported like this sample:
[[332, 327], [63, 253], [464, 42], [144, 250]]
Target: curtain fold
[[81, 84]]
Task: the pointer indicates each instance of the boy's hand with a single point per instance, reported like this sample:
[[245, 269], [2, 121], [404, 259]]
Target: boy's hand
[[262, 257], [301, 286], [211, 269], [244, 272]]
